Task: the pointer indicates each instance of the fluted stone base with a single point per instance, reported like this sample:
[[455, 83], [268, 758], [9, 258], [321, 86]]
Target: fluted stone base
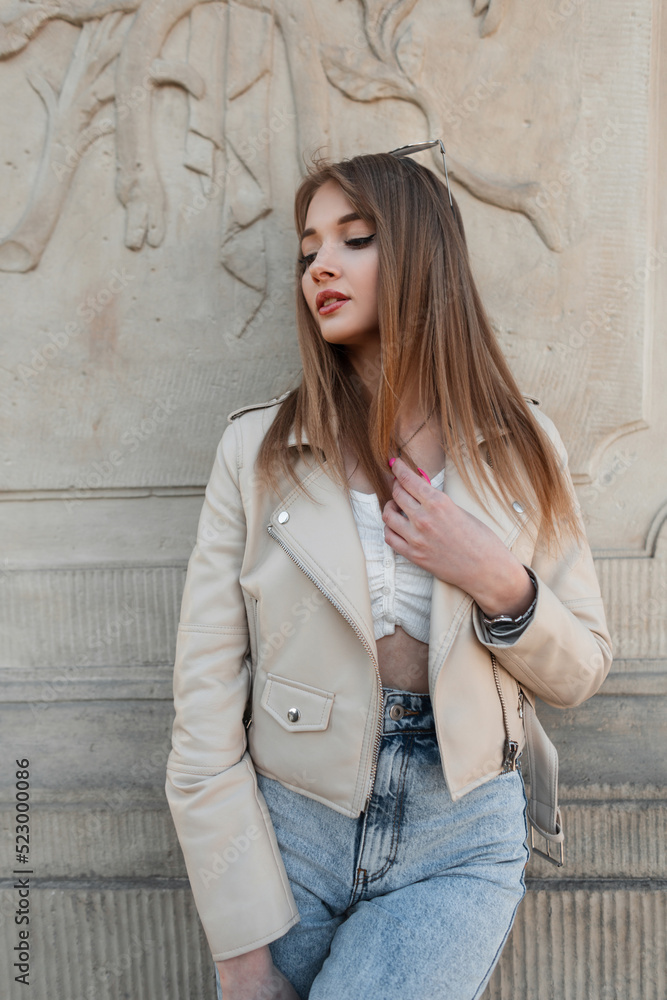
[[140, 939], [112, 915], [86, 686]]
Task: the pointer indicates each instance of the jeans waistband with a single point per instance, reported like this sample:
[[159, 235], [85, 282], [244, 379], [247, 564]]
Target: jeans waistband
[[406, 710]]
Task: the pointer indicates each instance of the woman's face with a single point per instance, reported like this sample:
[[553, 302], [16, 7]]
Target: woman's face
[[341, 258]]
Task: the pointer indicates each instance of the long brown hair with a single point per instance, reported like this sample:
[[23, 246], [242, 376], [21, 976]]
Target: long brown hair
[[432, 325]]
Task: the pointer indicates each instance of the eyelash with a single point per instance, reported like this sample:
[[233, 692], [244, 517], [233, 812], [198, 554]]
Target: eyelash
[[356, 244]]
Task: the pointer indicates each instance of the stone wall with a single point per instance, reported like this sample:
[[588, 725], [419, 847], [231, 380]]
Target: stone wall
[[150, 157]]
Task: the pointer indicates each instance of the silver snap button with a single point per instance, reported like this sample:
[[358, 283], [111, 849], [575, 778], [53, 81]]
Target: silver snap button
[[294, 714], [396, 712], [518, 507], [283, 516]]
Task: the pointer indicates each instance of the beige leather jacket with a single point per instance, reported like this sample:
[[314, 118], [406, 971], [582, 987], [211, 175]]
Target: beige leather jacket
[[277, 592]]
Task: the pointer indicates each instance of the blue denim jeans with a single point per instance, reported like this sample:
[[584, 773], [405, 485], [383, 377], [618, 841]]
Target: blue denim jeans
[[415, 898]]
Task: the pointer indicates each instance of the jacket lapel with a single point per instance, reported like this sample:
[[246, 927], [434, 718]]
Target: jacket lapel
[[323, 537]]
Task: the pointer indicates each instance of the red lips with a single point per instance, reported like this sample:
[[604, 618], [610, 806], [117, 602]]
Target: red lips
[[328, 293]]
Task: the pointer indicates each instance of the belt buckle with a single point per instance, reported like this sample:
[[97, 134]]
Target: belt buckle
[[558, 861]]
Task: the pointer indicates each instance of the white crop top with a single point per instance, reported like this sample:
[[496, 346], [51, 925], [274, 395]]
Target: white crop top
[[400, 590]]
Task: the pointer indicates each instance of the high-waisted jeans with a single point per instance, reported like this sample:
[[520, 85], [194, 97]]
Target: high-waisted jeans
[[415, 898]]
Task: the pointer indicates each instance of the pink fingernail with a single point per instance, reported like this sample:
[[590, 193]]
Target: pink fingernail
[[423, 474], [391, 462]]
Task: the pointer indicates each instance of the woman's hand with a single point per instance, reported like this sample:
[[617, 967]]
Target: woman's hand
[[253, 976], [455, 546]]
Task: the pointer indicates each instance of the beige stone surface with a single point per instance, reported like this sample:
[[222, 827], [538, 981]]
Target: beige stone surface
[[150, 152]]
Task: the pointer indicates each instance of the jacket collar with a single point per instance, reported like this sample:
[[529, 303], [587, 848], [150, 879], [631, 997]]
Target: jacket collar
[[323, 537], [292, 440]]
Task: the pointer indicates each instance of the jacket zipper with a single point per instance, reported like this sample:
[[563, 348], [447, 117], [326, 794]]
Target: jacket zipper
[[511, 747], [247, 718], [378, 731]]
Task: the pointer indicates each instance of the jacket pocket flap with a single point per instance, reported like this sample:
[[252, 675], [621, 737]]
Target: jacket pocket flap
[[296, 706]]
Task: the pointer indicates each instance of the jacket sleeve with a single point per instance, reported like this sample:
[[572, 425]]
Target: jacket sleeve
[[565, 652], [236, 872]]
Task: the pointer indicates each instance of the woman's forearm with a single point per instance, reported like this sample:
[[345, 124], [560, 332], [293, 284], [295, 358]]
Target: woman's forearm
[[513, 592], [253, 976]]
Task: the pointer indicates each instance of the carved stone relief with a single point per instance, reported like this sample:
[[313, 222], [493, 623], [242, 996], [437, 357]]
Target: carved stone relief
[[117, 61], [547, 166]]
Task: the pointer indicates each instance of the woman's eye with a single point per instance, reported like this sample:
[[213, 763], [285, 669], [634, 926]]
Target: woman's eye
[[360, 241], [356, 244]]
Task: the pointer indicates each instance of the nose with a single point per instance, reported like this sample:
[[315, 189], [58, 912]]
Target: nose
[[324, 265]]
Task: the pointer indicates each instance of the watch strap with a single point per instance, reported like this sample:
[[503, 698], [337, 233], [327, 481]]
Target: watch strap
[[504, 624]]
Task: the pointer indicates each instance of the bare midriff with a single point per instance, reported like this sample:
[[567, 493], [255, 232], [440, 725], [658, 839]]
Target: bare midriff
[[402, 659]]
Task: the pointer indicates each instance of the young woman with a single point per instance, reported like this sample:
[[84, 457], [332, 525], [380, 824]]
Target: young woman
[[390, 562]]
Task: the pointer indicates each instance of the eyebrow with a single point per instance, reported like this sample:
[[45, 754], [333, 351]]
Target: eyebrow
[[350, 217]]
